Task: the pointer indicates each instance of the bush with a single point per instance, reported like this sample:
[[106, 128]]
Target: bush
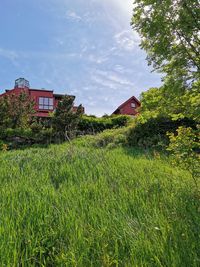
[[22, 137], [92, 125], [185, 148], [152, 133], [110, 138]]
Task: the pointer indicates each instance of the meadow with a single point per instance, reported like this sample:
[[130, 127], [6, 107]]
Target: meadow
[[77, 205]]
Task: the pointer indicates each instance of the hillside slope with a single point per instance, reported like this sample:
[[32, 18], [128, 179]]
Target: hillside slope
[[70, 205]]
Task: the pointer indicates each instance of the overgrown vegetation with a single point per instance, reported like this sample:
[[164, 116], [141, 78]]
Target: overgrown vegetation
[[75, 205], [152, 132]]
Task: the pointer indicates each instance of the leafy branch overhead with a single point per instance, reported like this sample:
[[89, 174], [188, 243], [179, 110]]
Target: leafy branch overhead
[[170, 35]]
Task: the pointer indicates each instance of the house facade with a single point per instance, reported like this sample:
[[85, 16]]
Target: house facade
[[129, 107], [45, 101]]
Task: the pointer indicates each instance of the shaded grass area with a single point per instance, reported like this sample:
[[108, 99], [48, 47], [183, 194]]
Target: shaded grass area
[[73, 205]]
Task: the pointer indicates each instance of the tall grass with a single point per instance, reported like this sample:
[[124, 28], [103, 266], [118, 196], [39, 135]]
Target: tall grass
[[70, 205]]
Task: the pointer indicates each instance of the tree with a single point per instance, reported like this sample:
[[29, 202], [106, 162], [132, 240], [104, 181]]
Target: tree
[[4, 120], [151, 102], [66, 118], [16, 111], [170, 35], [169, 101], [185, 147]]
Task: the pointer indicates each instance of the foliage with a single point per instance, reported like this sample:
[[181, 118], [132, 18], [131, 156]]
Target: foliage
[[92, 125], [170, 36], [19, 137], [3, 114], [169, 32], [185, 148], [16, 111], [65, 119], [108, 138], [192, 102], [151, 133], [171, 101], [3, 146]]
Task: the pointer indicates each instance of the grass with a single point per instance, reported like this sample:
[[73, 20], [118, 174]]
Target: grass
[[73, 205]]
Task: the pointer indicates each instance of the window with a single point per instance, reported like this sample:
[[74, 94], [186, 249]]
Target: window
[[133, 105], [46, 103]]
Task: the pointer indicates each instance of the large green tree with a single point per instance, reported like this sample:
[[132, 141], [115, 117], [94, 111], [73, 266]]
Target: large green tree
[[170, 34]]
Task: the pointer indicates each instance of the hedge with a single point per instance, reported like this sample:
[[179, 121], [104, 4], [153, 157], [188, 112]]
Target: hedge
[[152, 133], [92, 125]]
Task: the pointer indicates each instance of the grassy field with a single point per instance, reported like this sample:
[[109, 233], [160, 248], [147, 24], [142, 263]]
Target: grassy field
[[73, 205]]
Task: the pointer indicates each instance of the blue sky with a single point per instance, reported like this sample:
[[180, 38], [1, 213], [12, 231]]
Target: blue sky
[[81, 47]]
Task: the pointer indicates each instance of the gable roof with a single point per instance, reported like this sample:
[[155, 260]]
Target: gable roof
[[126, 102]]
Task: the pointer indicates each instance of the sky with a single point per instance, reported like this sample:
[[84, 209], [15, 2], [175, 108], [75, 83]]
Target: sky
[[82, 47]]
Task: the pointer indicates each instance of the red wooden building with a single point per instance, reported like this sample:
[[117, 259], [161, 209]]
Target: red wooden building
[[129, 107], [45, 100]]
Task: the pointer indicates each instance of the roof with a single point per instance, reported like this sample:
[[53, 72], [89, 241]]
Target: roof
[[126, 102], [40, 90], [46, 90], [61, 95]]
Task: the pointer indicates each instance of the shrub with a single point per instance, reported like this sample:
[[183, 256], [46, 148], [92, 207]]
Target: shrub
[[22, 137], [152, 133], [93, 125], [15, 111], [111, 138], [185, 148]]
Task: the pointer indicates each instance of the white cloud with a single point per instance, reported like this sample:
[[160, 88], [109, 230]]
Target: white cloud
[[103, 82], [97, 59], [123, 7], [110, 79], [73, 15], [114, 77], [118, 12], [127, 40], [119, 68]]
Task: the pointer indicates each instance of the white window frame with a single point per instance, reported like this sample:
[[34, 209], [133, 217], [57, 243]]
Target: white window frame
[[46, 103], [133, 105]]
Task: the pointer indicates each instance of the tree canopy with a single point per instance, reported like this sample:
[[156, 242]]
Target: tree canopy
[[170, 32]]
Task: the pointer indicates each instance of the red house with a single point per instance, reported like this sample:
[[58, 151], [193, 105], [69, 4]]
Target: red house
[[45, 100], [129, 107]]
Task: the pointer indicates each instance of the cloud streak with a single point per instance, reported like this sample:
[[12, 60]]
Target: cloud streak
[[10, 55]]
